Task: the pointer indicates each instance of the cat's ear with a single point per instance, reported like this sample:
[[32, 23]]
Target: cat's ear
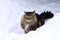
[[34, 11], [24, 11]]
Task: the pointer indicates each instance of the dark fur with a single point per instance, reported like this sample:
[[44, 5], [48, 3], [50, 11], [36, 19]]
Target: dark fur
[[45, 15], [41, 18]]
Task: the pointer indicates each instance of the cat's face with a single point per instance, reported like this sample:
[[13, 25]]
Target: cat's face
[[29, 14]]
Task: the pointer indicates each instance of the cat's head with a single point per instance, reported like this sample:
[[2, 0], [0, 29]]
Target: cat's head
[[29, 13]]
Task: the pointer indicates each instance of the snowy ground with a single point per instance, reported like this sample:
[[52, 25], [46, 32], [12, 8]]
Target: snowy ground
[[11, 12]]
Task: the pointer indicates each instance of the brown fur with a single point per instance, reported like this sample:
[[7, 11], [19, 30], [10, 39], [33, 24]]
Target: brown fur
[[34, 20], [26, 19]]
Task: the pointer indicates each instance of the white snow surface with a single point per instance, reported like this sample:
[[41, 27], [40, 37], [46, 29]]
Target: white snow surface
[[11, 12]]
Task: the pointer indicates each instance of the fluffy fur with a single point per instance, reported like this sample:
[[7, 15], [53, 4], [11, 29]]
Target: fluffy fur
[[45, 15], [32, 21], [29, 18]]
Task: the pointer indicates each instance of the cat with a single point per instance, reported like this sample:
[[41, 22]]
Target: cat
[[31, 20]]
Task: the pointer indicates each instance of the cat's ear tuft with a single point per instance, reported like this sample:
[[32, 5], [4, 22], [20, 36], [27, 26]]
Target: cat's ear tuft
[[34, 11], [24, 11]]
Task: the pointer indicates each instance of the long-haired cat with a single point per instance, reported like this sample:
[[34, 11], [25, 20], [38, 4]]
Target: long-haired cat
[[32, 21]]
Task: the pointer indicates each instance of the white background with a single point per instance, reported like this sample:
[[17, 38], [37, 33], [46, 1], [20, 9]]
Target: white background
[[11, 12]]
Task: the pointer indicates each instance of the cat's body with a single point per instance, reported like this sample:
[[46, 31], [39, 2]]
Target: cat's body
[[31, 20]]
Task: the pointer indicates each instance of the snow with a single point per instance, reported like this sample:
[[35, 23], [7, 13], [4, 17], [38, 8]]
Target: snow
[[11, 12]]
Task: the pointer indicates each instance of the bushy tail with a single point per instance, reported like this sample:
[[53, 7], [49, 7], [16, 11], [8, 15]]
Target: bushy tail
[[46, 15]]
